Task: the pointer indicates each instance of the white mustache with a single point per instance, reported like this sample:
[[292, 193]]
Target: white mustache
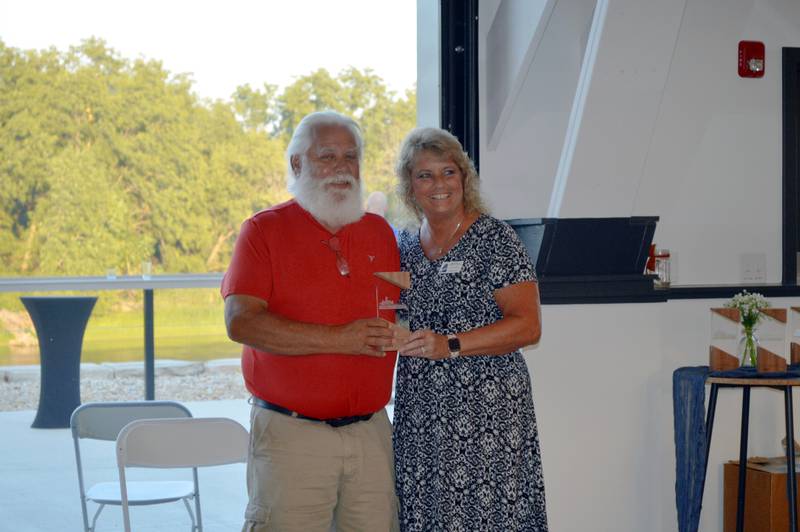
[[339, 180]]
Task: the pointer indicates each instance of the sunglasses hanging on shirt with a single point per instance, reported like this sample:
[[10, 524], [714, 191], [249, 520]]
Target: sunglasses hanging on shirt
[[341, 263]]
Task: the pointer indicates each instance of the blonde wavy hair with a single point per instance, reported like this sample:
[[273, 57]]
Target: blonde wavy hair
[[443, 144]]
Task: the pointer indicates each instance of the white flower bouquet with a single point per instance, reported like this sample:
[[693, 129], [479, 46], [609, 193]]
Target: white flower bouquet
[[749, 306]]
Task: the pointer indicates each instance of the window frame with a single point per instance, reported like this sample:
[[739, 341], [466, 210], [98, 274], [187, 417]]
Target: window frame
[[459, 73]]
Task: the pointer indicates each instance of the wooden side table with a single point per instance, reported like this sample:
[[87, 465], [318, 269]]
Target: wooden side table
[[746, 384]]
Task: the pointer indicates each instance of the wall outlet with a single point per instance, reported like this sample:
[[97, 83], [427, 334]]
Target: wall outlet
[[753, 267]]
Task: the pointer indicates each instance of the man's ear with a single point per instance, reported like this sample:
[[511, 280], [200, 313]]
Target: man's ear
[[296, 165]]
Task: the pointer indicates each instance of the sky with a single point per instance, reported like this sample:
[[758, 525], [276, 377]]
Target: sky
[[228, 43]]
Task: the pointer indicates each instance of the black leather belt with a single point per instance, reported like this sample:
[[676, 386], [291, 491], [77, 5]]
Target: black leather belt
[[335, 422]]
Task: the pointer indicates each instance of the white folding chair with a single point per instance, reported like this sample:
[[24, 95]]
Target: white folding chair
[[104, 421], [179, 443]]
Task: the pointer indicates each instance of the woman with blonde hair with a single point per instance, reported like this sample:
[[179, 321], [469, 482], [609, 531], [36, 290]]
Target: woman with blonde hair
[[465, 438]]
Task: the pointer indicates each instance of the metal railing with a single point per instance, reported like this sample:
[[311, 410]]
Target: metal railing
[[126, 282]]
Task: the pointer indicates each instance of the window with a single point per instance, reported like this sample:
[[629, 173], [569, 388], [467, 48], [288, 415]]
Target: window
[[145, 135]]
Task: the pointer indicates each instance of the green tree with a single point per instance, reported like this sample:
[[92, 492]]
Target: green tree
[[80, 236], [33, 128], [255, 108], [106, 161]]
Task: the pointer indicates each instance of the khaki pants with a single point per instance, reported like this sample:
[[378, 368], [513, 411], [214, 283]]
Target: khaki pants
[[305, 475]]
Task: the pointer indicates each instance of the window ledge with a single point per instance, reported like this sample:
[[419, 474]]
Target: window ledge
[[640, 289]]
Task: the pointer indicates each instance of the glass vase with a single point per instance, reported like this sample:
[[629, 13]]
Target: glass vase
[[748, 348]]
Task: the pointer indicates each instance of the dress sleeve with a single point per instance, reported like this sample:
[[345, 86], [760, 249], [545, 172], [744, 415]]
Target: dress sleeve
[[510, 261], [250, 270]]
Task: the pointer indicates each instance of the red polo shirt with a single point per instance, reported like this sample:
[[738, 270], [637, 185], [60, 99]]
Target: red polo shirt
[[281, 257]]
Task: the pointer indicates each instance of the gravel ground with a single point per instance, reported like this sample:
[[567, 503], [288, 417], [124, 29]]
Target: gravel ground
[[206, 386]]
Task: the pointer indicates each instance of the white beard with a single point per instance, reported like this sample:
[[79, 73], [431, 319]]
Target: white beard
[[332, 207]]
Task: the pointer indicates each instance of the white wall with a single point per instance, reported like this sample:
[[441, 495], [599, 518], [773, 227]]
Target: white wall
[[668, 129], [526, 126], [603, 399], [512, 46]]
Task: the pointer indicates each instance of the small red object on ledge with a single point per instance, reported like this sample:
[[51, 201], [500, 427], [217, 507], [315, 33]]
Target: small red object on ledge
[[651, 260]]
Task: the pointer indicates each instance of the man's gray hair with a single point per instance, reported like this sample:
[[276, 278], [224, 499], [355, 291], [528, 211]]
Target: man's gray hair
[[303, 135]]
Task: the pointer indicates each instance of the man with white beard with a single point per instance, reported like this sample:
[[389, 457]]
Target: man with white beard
[[301, 297]]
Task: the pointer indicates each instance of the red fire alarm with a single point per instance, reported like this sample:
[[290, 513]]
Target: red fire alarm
[[751, 59]]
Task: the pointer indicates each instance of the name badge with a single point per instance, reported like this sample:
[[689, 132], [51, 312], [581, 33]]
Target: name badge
[[451, 267]]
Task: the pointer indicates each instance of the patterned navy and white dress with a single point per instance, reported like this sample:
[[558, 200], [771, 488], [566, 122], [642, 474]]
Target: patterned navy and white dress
[[465, 439]]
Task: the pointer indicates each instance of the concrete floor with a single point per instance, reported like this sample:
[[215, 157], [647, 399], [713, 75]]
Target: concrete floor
[[39, 484]]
